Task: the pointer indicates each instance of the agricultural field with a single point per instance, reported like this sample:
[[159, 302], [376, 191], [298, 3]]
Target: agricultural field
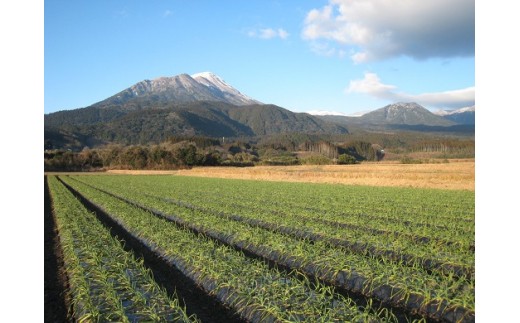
[[452, 174], [187, 249]]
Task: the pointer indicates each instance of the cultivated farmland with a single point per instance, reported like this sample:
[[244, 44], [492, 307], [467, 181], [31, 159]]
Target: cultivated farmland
[[453, 175], [139, 247]]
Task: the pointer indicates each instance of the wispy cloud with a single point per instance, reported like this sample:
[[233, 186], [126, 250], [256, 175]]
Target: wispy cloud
[[268, 33], [326, 49], [379, 29], [372, 86]]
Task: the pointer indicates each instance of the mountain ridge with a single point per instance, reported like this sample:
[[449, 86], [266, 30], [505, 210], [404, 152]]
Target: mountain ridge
[[203, 104], [230, 93], [464, 115], [203, 118], [446, 112], [406, 114], [182, 88]]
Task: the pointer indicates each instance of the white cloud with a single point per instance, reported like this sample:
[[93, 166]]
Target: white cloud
[[372, 85], [326, 49], [379, 29], [268, 33], [450, 99]]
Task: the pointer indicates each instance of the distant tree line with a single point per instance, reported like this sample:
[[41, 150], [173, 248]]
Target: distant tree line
[[158, 157], [325, 148], [357, 149], [445, 146], [185, 152], [287, 149]]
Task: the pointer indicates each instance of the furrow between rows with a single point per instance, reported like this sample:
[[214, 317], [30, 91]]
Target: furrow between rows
[[347, 281], [226, 294]]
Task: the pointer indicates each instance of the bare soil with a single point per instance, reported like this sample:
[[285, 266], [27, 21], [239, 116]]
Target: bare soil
[[55, 279], [173, 279], [193, 297]]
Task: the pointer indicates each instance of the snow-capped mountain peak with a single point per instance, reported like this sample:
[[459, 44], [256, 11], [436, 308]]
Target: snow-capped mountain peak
[[212, 80], [182, 88], [404, 106], [457, 111], [217, 84], [464, 115]]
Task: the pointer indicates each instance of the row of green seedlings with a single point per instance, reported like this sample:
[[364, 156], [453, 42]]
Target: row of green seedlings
[[364, 244], [456, 238], [416, 303], [391, 231], [358, 247], [411, 260], [433, 205], [334, 213], [402, 245], [255, 291], [460, 260], [106, 282], [450, 299], [455, 208]]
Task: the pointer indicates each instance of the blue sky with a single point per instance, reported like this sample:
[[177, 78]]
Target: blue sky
[[339, 55]]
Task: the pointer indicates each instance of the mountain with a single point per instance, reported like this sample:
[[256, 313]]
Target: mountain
[[404, 114], [271, 119], [203, 118], [184, 105], [461, 116], [401, 116], [158, 93], [181, 88], [223, 90]]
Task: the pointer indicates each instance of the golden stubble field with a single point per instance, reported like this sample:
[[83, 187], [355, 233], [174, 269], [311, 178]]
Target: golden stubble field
[[457, 174]]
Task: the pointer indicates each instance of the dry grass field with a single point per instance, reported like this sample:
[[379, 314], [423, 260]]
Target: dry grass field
[[457, 174]]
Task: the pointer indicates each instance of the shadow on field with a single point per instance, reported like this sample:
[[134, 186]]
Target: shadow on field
[[55, 278], [197, 302]]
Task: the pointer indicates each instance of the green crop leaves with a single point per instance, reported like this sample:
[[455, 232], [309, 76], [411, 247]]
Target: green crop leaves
[[247, 285], [106, 282], [412, 249]]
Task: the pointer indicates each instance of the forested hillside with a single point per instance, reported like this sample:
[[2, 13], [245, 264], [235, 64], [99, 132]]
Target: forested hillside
[[152, 125]]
